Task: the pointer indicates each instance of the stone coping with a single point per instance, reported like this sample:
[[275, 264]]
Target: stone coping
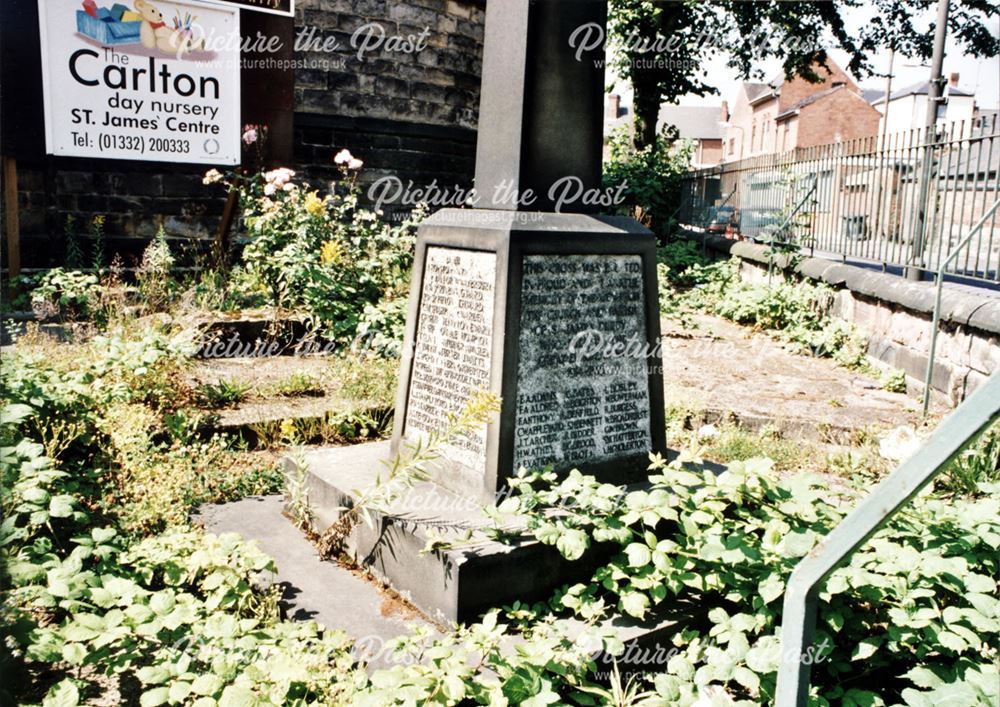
[[963, 307]]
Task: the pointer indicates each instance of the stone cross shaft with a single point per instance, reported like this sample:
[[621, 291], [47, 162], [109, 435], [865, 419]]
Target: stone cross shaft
[[540, 111]]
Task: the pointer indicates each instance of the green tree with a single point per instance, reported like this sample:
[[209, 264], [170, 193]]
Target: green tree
[[662, 43]]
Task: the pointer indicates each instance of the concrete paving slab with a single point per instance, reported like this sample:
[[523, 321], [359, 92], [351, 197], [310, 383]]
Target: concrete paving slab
[[312, 588]]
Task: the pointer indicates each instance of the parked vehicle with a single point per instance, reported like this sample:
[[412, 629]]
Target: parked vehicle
[[725, 220]]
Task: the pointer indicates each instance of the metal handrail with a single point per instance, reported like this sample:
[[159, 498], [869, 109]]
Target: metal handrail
[[939, 283], [799, 610]]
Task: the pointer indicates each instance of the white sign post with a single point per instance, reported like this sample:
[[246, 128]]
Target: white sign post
[[152, 81]]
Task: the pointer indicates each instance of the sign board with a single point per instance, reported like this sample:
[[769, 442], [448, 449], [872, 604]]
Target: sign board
[[285, 8], [156, 81]]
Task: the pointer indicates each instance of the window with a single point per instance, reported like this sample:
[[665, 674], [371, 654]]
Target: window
[[732, 144]]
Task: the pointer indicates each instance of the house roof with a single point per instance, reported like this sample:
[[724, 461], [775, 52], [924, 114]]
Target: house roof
[[692, 122], [871, 94], [808, 100], [917, 89], [756, 90]]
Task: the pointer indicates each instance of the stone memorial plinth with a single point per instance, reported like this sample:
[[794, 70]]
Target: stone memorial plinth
[[558, 315]]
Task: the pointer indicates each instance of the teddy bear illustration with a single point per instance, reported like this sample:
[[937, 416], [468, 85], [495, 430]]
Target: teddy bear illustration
[[155, 34]]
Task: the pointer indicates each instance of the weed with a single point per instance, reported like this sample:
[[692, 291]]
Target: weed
[[297, 385], [224, 393]]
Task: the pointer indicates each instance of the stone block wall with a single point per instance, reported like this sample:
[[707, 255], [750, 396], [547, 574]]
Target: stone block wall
[[896, 315]]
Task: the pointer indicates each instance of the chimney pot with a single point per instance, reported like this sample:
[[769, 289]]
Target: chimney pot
[[724, 113], [953, 80]]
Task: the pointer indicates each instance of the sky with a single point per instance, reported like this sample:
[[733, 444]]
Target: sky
[[979, 76]]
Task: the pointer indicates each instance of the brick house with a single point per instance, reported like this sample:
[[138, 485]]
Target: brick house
[[784, 115], [702, 125]]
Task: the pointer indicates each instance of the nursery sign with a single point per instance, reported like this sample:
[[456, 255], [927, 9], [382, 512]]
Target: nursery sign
[[153, 81]]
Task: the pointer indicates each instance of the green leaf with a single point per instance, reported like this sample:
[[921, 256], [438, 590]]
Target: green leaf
[[639, 555], [866, 648], [798, 543], [74, 653], [634, 604], [747, 678], [237, 696], [923, 677], [153, 698], [572, 543], [63, 694], [61, 506], [771, 588], [207, 684]]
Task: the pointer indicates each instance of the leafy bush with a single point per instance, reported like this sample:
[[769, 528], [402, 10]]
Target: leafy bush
[[976, 466], [325, 254], [650, 178], [222, 393], [796, 313], [65, 294], [154, 275], [913, 617]]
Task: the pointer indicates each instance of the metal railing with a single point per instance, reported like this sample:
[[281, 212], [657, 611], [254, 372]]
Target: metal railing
[[801, 595], [939, 286], [869, 193]]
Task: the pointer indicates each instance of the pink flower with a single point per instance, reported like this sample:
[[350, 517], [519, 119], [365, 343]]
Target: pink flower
[[250, 135], [343, 157], [280, 176], [355, 163], [212, 176], [270, 188]]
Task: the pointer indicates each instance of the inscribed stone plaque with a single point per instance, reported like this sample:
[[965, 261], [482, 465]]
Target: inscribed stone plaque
[[583, 392], [452, 354]]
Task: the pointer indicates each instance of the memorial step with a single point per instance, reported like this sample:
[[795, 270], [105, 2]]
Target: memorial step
[[449, 585]]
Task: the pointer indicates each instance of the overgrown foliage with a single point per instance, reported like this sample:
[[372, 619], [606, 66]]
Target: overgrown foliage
[[912, 619], [651, 177], [797, 313], [326, 255]]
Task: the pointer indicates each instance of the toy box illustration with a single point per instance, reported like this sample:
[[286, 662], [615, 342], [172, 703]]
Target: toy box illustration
[[145, 25]]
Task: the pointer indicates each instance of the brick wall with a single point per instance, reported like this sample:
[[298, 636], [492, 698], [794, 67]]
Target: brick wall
[[841, 115], [410, 115]]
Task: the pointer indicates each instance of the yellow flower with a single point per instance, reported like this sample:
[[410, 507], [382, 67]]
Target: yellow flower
[[315, 205], [288, 429], [330, 254]]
